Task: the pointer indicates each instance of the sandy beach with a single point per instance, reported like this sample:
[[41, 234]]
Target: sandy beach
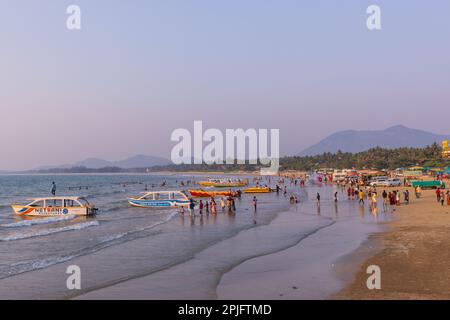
[[414, 259], [411, 253]]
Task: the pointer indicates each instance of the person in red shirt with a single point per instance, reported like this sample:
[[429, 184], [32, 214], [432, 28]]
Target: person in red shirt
[[200, 207]]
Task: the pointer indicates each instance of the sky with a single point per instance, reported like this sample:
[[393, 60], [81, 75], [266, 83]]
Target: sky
[[137, 70]]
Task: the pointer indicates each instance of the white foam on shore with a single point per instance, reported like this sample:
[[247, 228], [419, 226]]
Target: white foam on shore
[[27, 223], [105, 242], [46, 232]]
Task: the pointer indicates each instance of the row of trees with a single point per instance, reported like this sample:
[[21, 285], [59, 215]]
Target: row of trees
[[376, 158]]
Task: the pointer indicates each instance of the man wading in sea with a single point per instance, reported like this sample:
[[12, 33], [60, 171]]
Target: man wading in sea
[[191, 207], [53, 189]]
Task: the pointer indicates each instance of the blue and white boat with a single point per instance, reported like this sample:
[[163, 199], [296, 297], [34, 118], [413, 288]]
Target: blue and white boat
[[160, 199]]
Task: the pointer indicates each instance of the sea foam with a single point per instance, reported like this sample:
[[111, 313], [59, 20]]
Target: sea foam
[[27, 223], [46, 232]]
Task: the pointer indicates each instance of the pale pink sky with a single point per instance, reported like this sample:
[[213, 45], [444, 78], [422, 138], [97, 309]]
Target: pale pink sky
[[138, 70]]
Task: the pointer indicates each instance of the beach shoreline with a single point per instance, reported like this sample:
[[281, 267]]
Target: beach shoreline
[[412, 257], [315, 268]]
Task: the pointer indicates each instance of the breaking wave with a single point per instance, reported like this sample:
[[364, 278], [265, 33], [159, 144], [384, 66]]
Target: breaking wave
[[27, 223], [46, 232]]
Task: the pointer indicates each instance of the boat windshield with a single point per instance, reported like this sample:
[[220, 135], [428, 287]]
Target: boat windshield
[[178, 196], [39, 203], [83, 202], [54, 203]]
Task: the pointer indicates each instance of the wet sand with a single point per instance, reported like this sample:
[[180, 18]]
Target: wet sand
[[414, 259], [301, 266], [198, 277], [307, 270]]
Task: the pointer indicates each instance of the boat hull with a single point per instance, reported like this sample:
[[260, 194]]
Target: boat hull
[[158, 203], [257, 190], [222, 185], [208, 194], [52, 211]]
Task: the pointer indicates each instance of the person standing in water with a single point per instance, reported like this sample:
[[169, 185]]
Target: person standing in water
[[318, 198], [361, 196], [200, 207], [53, 189], [255, 202], [191, 207], [213, 207], [385, 200], [335, 197]]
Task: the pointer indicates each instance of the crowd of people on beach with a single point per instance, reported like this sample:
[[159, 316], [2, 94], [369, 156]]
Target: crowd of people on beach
[[227, 204]]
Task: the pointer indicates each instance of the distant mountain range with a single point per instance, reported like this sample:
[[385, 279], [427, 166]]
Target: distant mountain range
[[139, 161], [390, 138]]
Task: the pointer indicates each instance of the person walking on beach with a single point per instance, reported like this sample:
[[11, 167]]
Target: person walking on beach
[[406, 195], [384, 195], [438, 194], [53, 189], [442, 197], [361, 197], [255, 202], [392, 198], [335, 197], [318, 198], [213, 207], [374, 200]]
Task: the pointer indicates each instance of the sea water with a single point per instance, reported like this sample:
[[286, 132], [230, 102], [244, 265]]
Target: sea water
[[122, 242]]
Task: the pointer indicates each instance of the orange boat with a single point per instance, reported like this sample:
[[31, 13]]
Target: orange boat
[[207, 194]]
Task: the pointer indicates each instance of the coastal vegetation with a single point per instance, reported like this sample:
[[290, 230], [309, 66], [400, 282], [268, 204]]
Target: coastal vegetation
[[375, 158]]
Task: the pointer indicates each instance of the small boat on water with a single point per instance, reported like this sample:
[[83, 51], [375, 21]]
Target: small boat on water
[[223, 183], [160, 199], [258, 190], [55, 206], [207, 194]]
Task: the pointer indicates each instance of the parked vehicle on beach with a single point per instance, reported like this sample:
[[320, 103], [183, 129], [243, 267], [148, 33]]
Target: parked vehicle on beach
[[428, 184], [378, 183], [55, 206], [394, 182], [160, 199]]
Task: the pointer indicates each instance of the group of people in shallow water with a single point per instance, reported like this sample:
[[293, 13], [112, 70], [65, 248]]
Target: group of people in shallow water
[[227, 204], [371, 195]]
